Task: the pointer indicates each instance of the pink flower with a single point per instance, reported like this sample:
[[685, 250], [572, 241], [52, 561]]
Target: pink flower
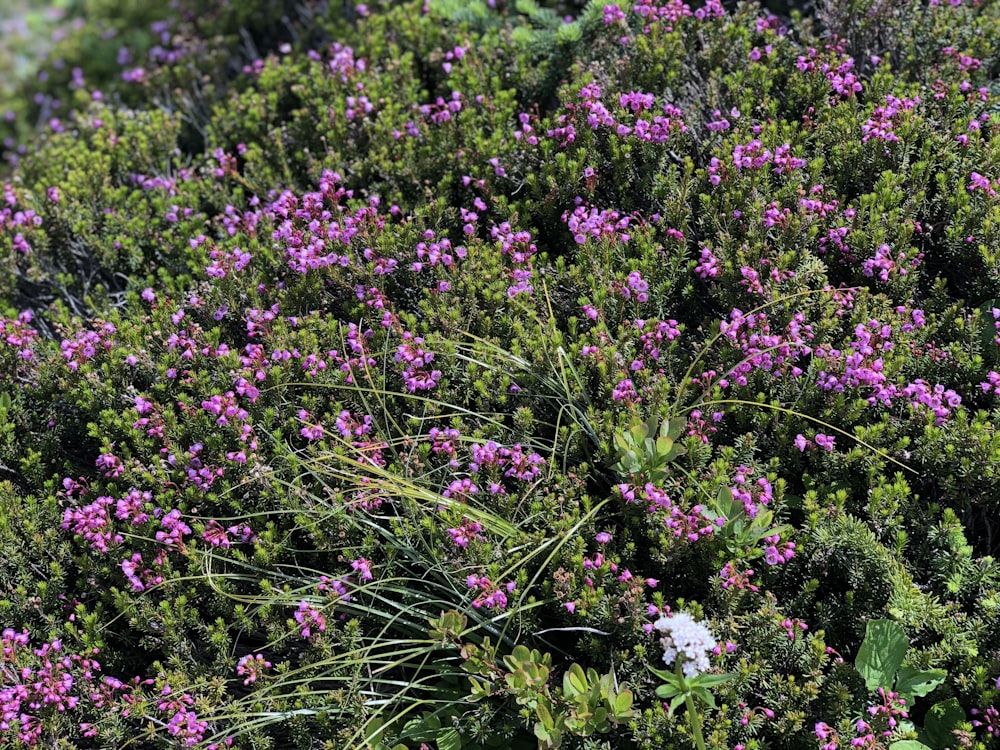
[[363, 568], [467, 532], [251, 667], [824, 441], [310, 431], [491, 596], [309, 618]]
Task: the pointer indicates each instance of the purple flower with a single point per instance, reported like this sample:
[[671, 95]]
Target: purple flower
[[309, 618], [824, 441], [251, 667], [468, 531], [363, 567]]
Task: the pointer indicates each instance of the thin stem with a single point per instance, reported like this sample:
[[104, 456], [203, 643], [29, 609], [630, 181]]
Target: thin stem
[[695, 718]]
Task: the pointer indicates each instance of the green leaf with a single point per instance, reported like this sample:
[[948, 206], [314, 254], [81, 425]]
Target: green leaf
[[912, 682], [544, 714], [622, 444], [704, 696], [724, 503], [449, 739], [941, 719], [542, 733], [667, 691], [574, 681], [422, 729], [909, 745], [639, 431], [623, 703], [663, 446], [673, 428], [881, 653], [479, 689], [678, 700], [663, 674], [711, 680], [432, 721]]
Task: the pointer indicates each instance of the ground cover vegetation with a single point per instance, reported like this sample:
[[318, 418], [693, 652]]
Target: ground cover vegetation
[[489, 374]]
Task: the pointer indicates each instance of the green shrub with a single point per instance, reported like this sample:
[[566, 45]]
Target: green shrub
[[398, 376]]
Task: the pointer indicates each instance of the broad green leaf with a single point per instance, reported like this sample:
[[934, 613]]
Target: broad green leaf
[[663, 674], [881, 653], [711, 680], [424, 729], [623, 704], [663, 445], [542, 734], [432, 721], [574, 681], [677, 701], [544, 714], [909, 745], [449, 739], [941, 719], [912, 682], [667, 691], [725, 505], [704, 696], [673, 428], [639, 432]]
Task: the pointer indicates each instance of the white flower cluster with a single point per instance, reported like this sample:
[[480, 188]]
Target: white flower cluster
[[687, 638]]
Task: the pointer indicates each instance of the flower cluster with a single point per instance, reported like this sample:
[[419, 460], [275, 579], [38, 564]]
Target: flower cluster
[[251, 666], [587, 222], [35, 682], [687, 641], [491, 595], [310, 619]]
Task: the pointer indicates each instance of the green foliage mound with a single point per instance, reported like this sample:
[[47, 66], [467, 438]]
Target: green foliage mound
[[502, 374]]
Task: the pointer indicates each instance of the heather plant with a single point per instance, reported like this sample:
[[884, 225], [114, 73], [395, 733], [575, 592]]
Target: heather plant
[[407, 375]]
